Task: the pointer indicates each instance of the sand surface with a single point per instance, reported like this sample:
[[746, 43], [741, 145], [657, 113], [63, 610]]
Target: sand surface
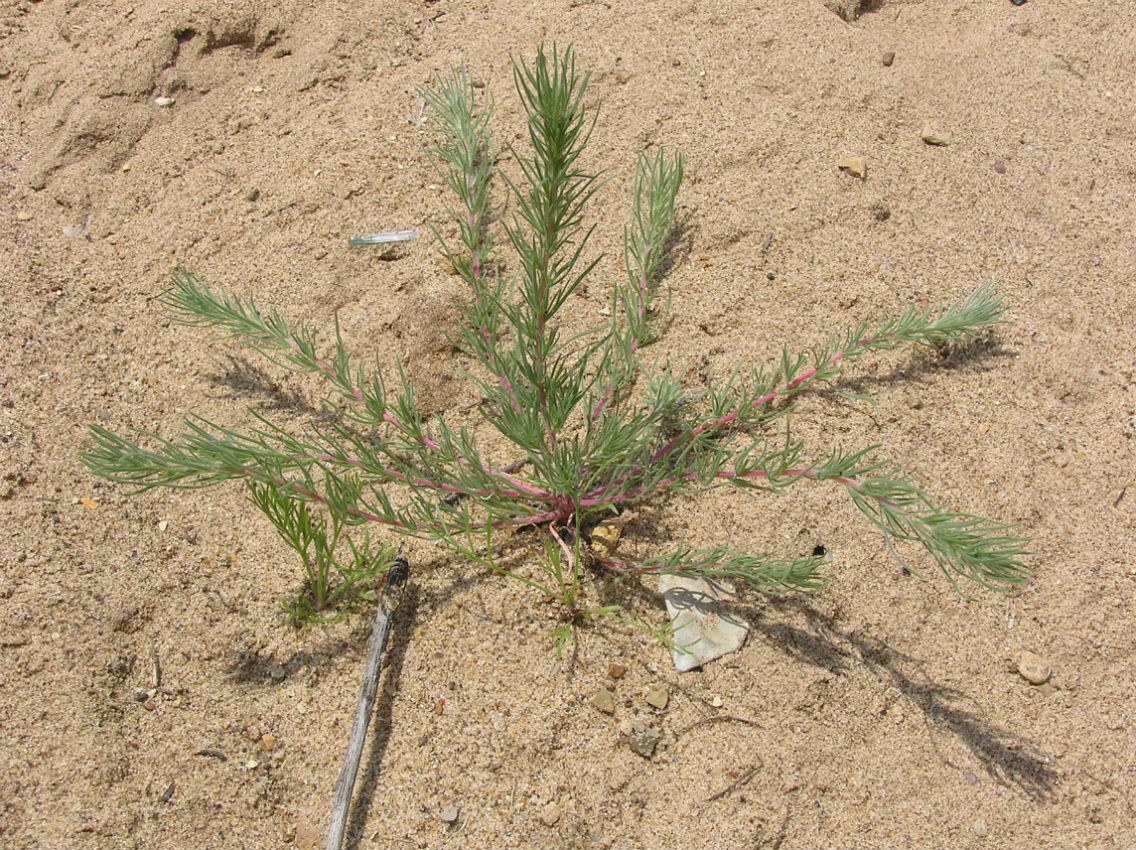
[[887, 711]]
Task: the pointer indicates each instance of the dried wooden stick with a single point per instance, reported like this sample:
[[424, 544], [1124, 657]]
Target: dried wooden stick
[[395, 577]]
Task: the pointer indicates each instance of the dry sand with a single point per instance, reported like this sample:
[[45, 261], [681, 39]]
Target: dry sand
[[886, 711]]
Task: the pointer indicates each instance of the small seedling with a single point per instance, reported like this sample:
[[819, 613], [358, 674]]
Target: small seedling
[[590, 428]]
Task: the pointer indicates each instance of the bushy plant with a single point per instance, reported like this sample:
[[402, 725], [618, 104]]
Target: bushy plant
[[591, 428]]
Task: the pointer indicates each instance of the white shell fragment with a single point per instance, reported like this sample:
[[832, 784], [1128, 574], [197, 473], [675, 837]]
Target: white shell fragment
[[164, 101], [383, 238], [704, 632]]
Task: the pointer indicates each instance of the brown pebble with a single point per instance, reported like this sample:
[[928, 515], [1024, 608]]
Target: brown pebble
[[999, 167], [616, 671], [440, 706], [268, 742], [888, 58]]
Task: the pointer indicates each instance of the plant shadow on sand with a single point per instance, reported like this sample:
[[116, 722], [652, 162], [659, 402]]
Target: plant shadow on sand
[[1008, 758]]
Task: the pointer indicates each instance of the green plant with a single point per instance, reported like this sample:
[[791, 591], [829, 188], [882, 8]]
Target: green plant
[[594, 428], [319, 540]]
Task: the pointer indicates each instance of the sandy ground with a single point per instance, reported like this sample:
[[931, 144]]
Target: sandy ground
[[887, 711]]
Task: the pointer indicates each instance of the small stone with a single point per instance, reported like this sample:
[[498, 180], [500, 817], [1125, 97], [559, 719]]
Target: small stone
[[252, 764], [658, 697], [23, 215], [440, 706], [979, 828], [164, 101], [268, 742], [616, 671], [1033, 668], [163, 525], [999, 167], [605, 537], [888, 58], [716, 701], [848, 10], [857, 166], [307, 837], [550, 814], [644, 741], [448, 814], [604, 700], [933, 137]]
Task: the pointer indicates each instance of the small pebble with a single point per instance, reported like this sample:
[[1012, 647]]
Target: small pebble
[[888, 58], [857, 166], [449, 814], [163, 101], [979, 828], [23, 215], [550, 814], [306, 835], [1033, 668], [658, 697], [268, 742], [604, 700], [644, 741], [999, 167], [605, 537], [716, 701], [616, 671], [933, 137]]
